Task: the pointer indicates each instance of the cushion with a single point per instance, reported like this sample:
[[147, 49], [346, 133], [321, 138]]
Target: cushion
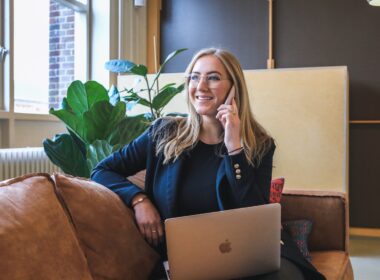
[[113, 245], [299, 230], [276, 187], [36, 239], [328, 211]]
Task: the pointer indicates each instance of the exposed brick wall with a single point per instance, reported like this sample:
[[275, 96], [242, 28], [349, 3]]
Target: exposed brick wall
[[61, 52]]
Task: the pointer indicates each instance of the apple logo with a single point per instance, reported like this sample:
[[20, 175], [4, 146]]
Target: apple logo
[[225, 247]]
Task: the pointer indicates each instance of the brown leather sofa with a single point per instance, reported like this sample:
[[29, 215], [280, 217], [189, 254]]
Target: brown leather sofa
[[328, 240], [61, 227]]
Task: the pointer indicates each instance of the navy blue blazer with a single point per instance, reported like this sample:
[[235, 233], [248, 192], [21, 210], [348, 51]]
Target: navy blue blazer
[[162, 180]]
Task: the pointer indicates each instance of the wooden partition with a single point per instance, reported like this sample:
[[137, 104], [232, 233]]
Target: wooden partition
[[306, 112]]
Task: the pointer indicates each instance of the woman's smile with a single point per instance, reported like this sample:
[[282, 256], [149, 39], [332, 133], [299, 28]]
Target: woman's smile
[[203, 98]]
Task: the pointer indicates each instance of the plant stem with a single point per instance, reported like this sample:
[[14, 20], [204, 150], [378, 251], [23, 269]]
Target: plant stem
[[157, 92], [150, 97]]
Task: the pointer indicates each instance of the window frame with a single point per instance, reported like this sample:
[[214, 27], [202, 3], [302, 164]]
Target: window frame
[[1, 55], [7, 39]]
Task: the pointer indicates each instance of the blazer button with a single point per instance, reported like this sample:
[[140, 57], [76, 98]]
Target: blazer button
[[238, 176], [238, 171], [236, 165]]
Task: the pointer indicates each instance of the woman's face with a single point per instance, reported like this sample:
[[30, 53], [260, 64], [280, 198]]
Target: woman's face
[[208, 85]]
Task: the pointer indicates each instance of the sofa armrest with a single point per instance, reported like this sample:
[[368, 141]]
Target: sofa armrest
[[327, 210]]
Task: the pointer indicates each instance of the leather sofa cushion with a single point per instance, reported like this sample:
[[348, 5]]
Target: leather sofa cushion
[[36, 239], [327, 212], [106, 229], [333, 264]]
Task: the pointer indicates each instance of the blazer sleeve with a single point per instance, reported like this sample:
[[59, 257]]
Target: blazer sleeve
[[113, 170], [248, 185]]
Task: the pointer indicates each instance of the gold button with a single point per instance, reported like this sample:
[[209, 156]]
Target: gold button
[[236, 165], [238, 176], [238, 171]]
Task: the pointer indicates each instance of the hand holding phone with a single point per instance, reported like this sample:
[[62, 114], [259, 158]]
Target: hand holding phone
[[230, 96], [231, 125]]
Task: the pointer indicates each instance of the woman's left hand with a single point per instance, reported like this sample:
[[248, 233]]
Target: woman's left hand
[[229, 118]]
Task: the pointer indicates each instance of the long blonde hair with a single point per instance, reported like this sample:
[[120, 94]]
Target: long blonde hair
[[175, 135]]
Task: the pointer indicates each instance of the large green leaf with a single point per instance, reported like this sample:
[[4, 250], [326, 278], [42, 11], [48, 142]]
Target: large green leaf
[[64, 152], [119, 66], [81, 97], [140, 70], [77, 98], [128, 129], [95, 93], [73, 121], [164, 97], [114, 95], [80, 143], [65, 105], [97, 151], [133, 96], [170, 57], [167, 59], [102, 119]]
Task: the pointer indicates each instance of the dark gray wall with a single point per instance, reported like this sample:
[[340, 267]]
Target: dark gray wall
[[307, 33], [334, 32], [235, 25]]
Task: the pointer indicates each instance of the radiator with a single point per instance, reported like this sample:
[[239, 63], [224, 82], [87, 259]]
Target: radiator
[[16, 162]]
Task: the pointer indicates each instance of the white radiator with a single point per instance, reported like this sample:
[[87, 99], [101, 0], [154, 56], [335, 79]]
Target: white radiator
[[16, 162]]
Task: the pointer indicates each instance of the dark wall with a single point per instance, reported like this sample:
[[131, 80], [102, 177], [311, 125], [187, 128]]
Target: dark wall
[[334, 32], [364, 175], [307, 33], [235, 25]]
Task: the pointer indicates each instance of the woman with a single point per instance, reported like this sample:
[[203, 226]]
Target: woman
[[219, 157]]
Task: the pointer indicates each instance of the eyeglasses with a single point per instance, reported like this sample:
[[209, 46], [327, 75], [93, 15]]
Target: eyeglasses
[[212, 80]]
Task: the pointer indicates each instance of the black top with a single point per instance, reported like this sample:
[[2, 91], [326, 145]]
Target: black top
[[197, 191]]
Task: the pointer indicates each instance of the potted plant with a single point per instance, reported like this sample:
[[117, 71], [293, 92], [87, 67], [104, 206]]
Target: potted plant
[[96, 119]]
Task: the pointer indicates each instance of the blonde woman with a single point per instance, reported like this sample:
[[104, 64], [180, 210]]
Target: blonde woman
[[219, 157]]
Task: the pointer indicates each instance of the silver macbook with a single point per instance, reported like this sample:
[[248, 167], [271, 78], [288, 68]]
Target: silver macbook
[[224, 245]]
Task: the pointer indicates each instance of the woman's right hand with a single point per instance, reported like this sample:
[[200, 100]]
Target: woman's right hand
[[149, 221]]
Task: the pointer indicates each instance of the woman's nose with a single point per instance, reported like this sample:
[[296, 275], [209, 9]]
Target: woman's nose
[[202, 84]]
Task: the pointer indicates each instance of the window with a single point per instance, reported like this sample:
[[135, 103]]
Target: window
[[23, 118], [49, 51], [3, 52]]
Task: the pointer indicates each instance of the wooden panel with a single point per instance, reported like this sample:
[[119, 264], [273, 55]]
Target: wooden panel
[[305, 110], [364, 175], [153, 37], [368, 232]]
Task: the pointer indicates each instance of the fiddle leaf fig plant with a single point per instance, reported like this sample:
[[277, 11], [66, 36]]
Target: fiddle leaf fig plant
[[157, 98], [97, 121]]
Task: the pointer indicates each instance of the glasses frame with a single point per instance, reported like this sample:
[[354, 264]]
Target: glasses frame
[[192, 85]]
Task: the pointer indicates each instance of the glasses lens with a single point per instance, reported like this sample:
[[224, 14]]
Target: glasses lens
[[212, 80], [193, 80]]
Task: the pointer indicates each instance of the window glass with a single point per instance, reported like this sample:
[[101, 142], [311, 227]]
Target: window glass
[[49, 53]]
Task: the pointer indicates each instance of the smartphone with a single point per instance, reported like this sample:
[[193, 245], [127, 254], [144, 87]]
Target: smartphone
[[230, 96]]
